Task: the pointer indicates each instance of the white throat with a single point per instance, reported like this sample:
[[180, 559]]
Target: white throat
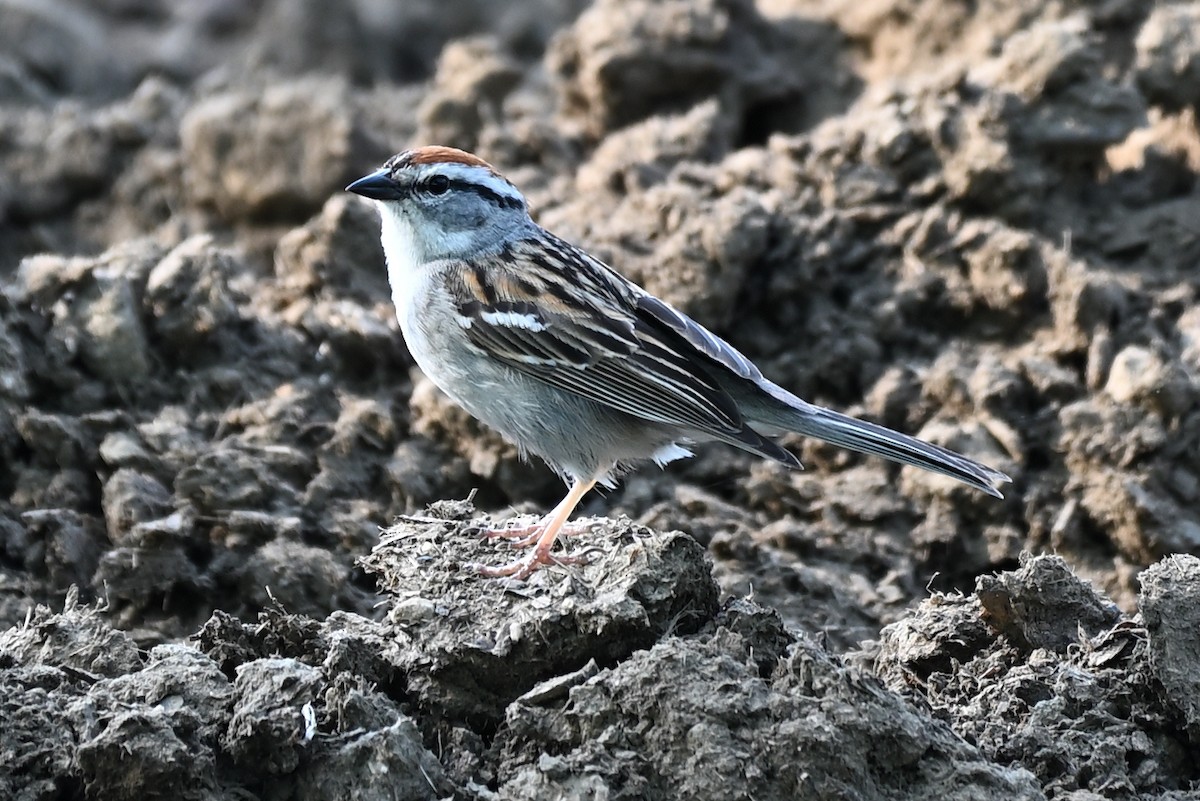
[[404, 253]]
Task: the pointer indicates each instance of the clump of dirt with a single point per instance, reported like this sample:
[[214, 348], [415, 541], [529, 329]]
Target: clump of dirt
[[1037, 669], [623, 677], [473, 647], [973, 224]]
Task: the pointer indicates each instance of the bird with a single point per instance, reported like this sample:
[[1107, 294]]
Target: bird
[[570, 360]]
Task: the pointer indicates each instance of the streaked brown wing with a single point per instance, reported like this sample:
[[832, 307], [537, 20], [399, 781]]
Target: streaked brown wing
[[595, 347]]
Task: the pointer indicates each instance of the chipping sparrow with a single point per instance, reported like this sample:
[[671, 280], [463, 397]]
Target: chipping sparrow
[[568, 359]]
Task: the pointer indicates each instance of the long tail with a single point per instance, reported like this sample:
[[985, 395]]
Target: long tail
[[859, 435]]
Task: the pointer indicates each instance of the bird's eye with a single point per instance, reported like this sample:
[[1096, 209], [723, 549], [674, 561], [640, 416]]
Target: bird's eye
[[437, 185]]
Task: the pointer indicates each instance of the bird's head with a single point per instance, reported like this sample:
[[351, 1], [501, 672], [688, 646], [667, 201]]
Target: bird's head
[[442, 202]]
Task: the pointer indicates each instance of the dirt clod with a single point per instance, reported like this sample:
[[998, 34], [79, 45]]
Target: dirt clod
[[636, 586]]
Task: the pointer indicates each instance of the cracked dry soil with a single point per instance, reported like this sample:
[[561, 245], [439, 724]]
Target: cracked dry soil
[[974, 222]]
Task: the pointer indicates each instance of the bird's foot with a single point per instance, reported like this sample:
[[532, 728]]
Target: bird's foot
[[525, 536], [524, 568]]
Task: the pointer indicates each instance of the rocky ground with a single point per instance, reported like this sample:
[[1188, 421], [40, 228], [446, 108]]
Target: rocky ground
[[232, 526]]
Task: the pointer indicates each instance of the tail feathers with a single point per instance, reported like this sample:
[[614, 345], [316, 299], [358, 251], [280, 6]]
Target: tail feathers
[[859, 435]]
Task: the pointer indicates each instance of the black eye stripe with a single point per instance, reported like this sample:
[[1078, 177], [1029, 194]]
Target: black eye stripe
[[460, 185]]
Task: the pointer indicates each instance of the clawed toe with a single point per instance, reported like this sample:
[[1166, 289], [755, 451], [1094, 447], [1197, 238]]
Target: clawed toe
[[524, 568], [526, 536], [542, 536], [512, 533]]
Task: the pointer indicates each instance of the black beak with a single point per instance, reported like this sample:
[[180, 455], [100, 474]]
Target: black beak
[[377, 186]]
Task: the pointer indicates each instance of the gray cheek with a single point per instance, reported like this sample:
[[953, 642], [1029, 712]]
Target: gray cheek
[[469, 215], [459, 212]]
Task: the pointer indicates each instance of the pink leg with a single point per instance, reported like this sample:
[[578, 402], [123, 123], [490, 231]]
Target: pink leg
[[549, 531], [525, 536]]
